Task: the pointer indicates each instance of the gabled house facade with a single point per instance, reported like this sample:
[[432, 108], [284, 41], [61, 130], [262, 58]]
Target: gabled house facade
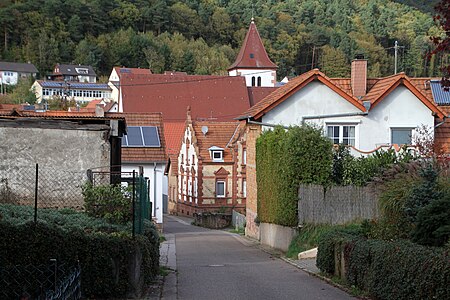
[[211, 168], [11, 72], [144, 146], [73, 73], [364, 114]]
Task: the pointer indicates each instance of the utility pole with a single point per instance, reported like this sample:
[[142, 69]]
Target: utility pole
[[395, 57]]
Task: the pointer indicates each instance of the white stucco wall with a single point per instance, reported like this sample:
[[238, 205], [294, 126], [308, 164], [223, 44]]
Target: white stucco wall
[[154, 172], [268, 77], [401, 108], [11, 79]]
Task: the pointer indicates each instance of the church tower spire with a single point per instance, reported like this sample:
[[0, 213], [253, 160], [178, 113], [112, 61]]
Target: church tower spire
[[253, 61]]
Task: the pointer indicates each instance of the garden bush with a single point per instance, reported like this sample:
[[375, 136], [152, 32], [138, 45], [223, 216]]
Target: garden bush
[[387, 269], [104, 251]]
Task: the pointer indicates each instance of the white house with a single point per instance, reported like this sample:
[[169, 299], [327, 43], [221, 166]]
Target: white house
[[144, 146], [365, 114], [79, 91], [11, 72]]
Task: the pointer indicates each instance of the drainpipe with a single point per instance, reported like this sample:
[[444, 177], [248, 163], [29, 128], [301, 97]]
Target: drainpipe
[[440, 123], [154, 188]]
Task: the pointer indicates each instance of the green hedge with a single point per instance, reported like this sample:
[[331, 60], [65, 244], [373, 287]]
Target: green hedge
[[388, 270], [104, 256], [284, 159]]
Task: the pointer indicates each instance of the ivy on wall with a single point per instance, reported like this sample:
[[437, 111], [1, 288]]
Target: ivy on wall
[[284, 159]]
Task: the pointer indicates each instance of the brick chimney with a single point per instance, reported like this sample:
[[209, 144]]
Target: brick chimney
[[99, 111], [359, 76]]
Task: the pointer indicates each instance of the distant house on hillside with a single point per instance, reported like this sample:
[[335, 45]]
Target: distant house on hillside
[[79, 91], [73, 73], [11, 72], [115, 78]]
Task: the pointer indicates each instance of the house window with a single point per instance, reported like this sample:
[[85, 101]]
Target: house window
[[244, 188], [401, 136], [253, 81], [244, 156], [342, 134], [217, 155], [259, 80], [220, 188]]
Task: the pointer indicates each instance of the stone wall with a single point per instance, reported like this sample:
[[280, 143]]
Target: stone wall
[[63, 155]]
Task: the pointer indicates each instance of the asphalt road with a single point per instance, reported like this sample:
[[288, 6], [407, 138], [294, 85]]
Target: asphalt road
[[213, 264]]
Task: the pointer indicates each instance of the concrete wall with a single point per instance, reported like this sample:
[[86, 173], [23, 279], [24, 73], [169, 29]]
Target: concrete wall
[[63, 156], [276, 236]]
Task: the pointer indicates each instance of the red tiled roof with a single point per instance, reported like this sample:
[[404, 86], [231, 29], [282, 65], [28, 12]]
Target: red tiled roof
[[145, 154], [442, 133], [218, 97], [378, 89], [385, 85], [219, 134], [253, 54], [285, 91], [174, 132], [256, 94], [132, 71], [57, 114]]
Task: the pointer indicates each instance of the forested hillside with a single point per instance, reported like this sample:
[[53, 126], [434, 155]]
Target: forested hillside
[[203, 36]]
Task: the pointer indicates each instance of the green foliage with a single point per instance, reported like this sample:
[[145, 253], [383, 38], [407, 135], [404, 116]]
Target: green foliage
[[104, 257], [92, 31], [348, 170], [284, 159], [387, 270], [111, 202]]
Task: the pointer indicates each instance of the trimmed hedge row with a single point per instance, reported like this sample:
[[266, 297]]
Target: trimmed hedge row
[[108, 260], [386, 270]]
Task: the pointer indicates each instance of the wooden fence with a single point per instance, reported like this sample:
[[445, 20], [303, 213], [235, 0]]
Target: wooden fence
[[336, 205]]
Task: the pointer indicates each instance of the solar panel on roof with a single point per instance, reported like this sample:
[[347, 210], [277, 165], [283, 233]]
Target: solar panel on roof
[[134, 136], [125, 71], [141, 136], [441, 97], [151, 137]]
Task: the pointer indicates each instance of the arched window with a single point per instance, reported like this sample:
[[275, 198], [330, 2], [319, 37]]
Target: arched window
[[259, 80], [253, 81]]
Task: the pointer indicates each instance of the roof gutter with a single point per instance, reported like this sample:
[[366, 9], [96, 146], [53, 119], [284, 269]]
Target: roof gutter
[[365, 113], [440, 123], [266, 124]]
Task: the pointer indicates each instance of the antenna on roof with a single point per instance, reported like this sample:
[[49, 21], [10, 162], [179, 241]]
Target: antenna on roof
[[205, 130], [253, 11]]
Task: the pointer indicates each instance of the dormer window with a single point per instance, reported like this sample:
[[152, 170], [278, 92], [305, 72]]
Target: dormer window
[[216, 153]]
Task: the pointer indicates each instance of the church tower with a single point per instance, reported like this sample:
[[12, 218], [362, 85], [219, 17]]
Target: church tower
[[253, 62]]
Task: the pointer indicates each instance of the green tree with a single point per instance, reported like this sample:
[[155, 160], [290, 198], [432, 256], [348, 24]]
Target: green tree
[[333, 62]]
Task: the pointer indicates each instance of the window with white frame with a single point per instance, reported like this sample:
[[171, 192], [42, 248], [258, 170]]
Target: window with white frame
[[401, 136], [220, 188], [217, 155], [244, 156], [342, 134], [244, 188]]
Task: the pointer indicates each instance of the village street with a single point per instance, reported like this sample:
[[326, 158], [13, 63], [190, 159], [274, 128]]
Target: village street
[[214, 264]]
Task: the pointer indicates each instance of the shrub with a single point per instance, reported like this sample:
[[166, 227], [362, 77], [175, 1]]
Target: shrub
[[108, 201], [387, 270], [104, 255]]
